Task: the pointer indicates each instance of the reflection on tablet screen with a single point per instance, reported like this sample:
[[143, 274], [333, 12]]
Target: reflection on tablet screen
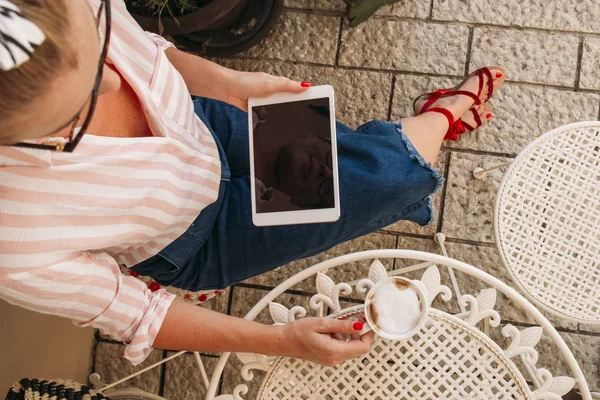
[[293, 160]]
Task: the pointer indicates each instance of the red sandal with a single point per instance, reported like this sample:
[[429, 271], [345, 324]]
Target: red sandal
[[459, 127]]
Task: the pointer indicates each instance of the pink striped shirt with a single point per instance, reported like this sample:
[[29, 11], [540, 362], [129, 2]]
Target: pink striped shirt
[[67, 221]]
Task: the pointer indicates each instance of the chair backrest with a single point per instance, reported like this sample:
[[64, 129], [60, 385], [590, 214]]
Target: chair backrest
[[446, 359], [451, 357]]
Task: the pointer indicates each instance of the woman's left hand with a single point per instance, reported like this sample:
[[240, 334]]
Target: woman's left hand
[[259, 84]]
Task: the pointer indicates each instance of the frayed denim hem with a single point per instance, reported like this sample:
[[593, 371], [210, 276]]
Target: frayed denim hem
[[435, 173]]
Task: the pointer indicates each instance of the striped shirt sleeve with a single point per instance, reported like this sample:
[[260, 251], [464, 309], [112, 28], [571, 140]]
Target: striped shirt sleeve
[[90, 289], [160, 41]]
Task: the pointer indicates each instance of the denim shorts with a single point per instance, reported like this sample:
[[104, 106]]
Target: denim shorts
[[382, 180]]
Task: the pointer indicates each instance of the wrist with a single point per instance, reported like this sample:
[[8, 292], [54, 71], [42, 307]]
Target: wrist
[[278, 340], [227, 81]]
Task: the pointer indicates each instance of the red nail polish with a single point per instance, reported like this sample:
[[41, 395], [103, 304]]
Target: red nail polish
[[357, 326], [305, 84], [498, 75], [488, 115]]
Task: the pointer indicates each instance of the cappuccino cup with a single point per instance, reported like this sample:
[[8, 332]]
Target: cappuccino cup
[[395, 308]]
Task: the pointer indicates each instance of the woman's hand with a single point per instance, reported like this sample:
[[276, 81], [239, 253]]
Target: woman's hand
[[319, 340], [259, 84]]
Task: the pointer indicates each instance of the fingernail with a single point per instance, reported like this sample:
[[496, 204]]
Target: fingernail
[[498, 75], [488, 115], [357, 326], [305, 84]]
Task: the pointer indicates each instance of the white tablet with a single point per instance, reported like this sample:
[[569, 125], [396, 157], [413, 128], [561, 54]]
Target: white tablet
[[293, 158]]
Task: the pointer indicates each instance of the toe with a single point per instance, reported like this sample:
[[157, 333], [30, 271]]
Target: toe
[[485, 112], [499, 76]]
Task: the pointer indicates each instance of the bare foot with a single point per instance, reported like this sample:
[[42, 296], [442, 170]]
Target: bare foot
[[483, 110], [460, 104]]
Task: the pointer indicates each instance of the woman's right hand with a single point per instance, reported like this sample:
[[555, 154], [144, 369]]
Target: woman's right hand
[[313, 339]]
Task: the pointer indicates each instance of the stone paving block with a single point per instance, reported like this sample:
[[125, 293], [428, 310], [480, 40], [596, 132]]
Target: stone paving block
[[348, 272], [527, 56], [567, 15], [330, 5], [524, 112], [590, 64], [469, 205], [407, 9], [594, 328], [584, 348], [411, 227], [406, 45], [112, 366], [182, 377], [356, 101], [301, 37], [589, 328]]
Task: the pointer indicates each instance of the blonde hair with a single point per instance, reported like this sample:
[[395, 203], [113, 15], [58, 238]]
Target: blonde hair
[[20, 86]]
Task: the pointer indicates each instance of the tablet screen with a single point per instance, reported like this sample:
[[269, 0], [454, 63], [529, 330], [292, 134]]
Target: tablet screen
[[293, 156]]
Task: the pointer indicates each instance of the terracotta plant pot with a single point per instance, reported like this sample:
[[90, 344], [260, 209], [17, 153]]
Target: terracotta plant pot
[[218, 14]]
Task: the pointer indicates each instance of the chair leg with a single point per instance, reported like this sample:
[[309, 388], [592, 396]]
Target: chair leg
[[96, 378], [480, 173]]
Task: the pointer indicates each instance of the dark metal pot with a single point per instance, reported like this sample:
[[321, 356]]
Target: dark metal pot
[[255, 22], [217, 15]]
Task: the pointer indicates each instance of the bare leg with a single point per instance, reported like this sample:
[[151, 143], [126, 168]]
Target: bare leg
[[426, 131]]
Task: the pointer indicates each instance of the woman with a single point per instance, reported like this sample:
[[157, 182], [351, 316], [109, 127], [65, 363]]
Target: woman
[[127, 169]]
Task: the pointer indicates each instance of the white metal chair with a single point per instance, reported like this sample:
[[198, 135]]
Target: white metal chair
[[547, 221], [451, 357]]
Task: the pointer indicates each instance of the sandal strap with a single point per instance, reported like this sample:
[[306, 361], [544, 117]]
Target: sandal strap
[[480, 83], [490, 81], [477, 118], [449, 116], [478, 122], [468, 127], [438, 94]]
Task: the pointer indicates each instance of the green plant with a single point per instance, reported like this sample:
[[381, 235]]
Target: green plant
[[158, 6]]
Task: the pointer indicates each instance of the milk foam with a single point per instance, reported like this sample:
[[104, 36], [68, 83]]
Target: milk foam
[[399, 310]]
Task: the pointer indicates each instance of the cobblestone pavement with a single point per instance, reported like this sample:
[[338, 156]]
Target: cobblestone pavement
[[551, 51]]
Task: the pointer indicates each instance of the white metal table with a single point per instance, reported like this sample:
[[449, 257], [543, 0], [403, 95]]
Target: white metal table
[[547, 222]]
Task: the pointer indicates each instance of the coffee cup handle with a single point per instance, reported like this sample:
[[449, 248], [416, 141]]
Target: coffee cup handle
[[366, 329]]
